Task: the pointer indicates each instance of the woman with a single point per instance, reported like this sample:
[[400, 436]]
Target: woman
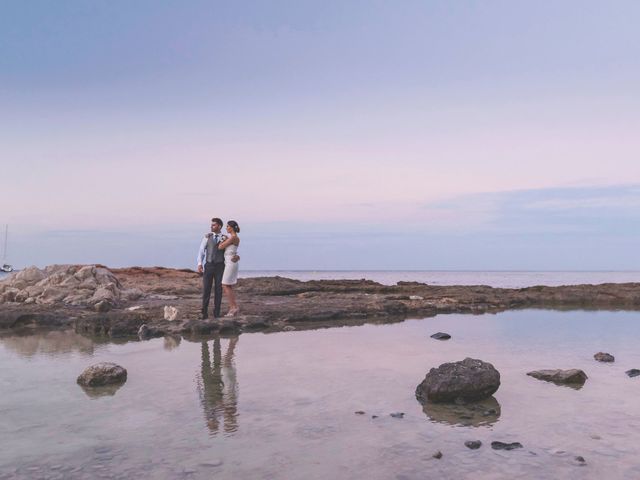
[[230, 275]]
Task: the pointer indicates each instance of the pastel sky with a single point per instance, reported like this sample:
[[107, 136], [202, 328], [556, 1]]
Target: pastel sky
[[339, 134]]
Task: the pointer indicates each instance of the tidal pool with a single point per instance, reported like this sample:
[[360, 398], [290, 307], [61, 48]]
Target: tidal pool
[[282, 406]]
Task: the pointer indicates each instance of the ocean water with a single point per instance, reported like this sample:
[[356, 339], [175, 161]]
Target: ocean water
[[502, 279], [282, 406]]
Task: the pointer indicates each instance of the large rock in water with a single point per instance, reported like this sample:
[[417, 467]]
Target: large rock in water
[[463, 381], [101, 374], [573, 376]]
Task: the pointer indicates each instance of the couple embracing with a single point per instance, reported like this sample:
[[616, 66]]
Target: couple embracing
[[218, 263]]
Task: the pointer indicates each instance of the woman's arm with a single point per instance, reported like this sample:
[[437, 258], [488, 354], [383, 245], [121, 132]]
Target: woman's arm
[[226, 243]]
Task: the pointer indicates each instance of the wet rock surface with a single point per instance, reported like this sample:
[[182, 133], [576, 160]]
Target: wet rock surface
[[441, 336], [634, 372], [571, 376], [102, 374], [604, 357], [473, 444], [62, 295], [505, 446], [464, 381]]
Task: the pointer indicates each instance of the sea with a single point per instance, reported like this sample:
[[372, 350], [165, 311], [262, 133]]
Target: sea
[[497, 278]]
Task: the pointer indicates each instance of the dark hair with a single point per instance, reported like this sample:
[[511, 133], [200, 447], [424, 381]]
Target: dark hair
[[217, 220], [233, 224]]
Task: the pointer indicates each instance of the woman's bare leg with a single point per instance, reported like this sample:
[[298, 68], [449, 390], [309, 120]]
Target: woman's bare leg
[[231, 297]]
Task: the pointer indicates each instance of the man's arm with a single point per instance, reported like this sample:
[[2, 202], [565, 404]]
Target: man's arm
[[201, 253]]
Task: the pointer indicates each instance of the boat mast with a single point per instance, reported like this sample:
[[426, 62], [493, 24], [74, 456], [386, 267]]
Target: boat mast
[[4, 249]]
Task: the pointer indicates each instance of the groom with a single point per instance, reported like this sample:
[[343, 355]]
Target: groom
[[211, 265]]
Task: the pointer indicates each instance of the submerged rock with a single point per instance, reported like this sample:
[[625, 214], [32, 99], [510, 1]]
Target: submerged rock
[[473, 444], [604, 357], [472, 414], [441, 336], [437, 455], [463, 381], [104, 373], [573, 376], [505, 446], [634, 372]]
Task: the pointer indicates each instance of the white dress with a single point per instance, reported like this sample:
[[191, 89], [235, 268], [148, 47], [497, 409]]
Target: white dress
[[230, 275]]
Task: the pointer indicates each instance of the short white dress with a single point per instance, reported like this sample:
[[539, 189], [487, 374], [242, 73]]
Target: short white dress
[[230, 275]]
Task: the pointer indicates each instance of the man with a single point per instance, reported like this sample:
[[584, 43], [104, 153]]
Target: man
[[211, 265]]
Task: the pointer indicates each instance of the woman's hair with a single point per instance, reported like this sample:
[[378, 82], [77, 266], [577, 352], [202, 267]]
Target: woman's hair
[[233, 224]]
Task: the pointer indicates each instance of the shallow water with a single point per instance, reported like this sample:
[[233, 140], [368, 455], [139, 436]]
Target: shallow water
[[282, 405]]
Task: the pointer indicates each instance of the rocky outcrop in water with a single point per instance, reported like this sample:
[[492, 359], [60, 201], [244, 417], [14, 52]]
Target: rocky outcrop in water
[[572, 376], [634, 372], [463, 381], [63, 295], [102, 374]]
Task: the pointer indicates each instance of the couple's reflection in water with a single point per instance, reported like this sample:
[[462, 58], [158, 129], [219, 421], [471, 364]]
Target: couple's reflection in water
[[218, 386]]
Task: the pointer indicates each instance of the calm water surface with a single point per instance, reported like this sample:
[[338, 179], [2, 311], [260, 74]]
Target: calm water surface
[[502, 279], [281, 406]]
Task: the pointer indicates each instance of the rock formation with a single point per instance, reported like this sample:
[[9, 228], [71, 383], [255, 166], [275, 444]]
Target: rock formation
[[102, 374], [463, 381]]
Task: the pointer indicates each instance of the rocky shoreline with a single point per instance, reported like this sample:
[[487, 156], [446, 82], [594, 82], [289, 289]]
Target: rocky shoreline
[[123, 302]]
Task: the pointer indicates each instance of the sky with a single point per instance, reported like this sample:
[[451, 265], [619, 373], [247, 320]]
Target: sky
[[468, 135]]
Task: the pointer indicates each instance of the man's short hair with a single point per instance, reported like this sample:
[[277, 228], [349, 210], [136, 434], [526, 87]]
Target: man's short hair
[[217, 220]]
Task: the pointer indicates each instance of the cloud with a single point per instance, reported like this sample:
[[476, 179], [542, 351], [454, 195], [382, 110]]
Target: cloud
[[592, 209]]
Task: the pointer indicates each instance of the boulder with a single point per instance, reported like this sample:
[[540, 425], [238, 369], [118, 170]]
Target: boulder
[[170, 313], [604, 357], [634, 372], [104, 373], [573, 376], [463, 381]]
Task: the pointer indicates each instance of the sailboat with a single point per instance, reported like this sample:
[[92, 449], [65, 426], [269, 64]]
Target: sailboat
[[5, 266]]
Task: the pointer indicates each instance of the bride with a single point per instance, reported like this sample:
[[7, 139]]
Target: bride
[[230, 275]]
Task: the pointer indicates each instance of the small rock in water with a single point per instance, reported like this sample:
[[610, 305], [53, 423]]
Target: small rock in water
[[580, 460], [473, 444], [360, 412], [596, 437], [573, 375], [634, 372], [441, 336], [104, 373], [212, 463], [505, 446], [465, 381], [437, 455], [397, 414], [374, 416], [604, 357]]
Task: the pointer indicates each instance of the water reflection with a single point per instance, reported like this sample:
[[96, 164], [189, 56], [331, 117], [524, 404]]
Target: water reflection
[[31, 343], [98, 392], [218, 387], [478, 414], [171, 342]]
